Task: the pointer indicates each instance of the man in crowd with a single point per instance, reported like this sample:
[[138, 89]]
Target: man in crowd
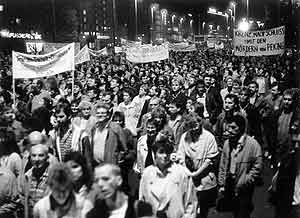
[[33, 184], [37, 93], [240, 167], [113, 202]]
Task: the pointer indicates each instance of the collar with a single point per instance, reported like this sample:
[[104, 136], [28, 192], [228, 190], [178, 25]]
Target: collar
[[160, 174], [241, 142]]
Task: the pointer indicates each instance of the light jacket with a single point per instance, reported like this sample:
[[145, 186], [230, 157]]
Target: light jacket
[[174, 197], [248, 165]]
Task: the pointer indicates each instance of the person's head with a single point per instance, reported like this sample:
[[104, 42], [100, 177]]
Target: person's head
[[160, 116], [5, 98], [37, 85], [175, 107], [85, 108], [143, 90], [201, 87], [92, 93], [77, 87], [236, 127], [288, 99], [108, 98], [154, 103], [162, 149], [128, 95], [8, 114], [102, 112], [193, 127], [108, 179], [244, 96], [74, 108], [275, 89], [152, 127], [39, 155], [36, 137], [196, 108], [8, 143], [119, 118], [60, 183], [236, 85], [253, 87], [176, 85], [231, 102], [79, 168], [115, 83], [207, 80], [63, 113], [154, 91], [229, 81], [91, 82]]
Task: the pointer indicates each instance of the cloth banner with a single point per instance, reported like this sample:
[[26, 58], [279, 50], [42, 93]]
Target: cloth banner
[[83, 55], [182, 47], [147, 53], [118, 49], [259, 43], [103, 52], [49, 47], [35, 66]]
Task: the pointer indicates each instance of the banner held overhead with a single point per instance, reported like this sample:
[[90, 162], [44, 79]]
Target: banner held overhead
[[147, 53], [35, 66], [259, 43]]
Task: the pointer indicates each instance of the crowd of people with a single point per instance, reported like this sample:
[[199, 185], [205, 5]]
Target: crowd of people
[[169, 139]]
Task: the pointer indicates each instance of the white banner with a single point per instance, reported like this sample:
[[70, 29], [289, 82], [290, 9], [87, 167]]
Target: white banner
[[35, 66], [147, 53], [83, 55], [49, 47], [182, 47], [259, 43], [103, 51]]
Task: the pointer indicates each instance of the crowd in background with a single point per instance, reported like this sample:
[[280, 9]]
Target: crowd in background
[[167, 139]]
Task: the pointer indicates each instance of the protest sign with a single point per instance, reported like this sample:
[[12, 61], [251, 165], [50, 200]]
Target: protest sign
[[83, 55], [35, 66], [49, 47], [259, 43], [94, 53], [147, 53], [182, 47]]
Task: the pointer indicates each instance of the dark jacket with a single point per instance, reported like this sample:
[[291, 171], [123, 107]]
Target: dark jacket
[[115, 143], [214, 104], [100, 210]]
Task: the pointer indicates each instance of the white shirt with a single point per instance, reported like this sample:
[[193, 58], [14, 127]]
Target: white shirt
[[99, 144], [120, 212]]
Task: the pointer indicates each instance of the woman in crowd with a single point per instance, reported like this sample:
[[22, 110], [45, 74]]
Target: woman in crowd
[[198, 152], [9, 150], [85, 117]]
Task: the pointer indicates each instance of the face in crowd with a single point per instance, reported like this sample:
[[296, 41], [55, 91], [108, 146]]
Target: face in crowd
[[102, 114], [229, 104], [108, 181], [39, 155]]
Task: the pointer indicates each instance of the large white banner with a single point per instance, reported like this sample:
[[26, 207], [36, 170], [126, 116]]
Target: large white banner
[[147, 53], [35, 66], [83, 55], [259, 43], [49, 47], [182, 47]]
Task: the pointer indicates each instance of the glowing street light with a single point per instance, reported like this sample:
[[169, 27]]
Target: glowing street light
[[244, 25], [190, 15], [173, 18]]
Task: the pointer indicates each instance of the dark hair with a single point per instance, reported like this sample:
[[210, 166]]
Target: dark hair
[[120, 115], [163, 144], [254, 82], [77, 83], [246, 90], [65, 107], [199, 109], [60, 175], [233, 97], [273, 84], [160, 113], [8, 142], [80, 159], [240, 121]]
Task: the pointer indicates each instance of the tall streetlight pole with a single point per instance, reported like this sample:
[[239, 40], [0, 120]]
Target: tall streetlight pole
[[136, 18], [114, 24], [53, 19]]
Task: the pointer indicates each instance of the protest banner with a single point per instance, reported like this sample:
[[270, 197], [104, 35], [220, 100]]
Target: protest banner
[[147, 53], [49, 47], [83, 55], [36, 66], [182, 47], [259, 43]]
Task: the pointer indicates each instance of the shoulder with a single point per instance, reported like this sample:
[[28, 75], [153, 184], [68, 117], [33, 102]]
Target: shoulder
[[15, 157], [42, 204], [149, 171]]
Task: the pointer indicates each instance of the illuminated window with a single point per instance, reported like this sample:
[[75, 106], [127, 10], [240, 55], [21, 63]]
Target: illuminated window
[[84, 12], [1, 8]]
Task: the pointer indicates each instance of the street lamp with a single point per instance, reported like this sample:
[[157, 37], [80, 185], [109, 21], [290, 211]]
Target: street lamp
[[244, 25], [173, 19], [136, 18], [233, 4], [203, 27]]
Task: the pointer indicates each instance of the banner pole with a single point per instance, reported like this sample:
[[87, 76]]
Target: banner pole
[[73, 72], [14, 92]]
